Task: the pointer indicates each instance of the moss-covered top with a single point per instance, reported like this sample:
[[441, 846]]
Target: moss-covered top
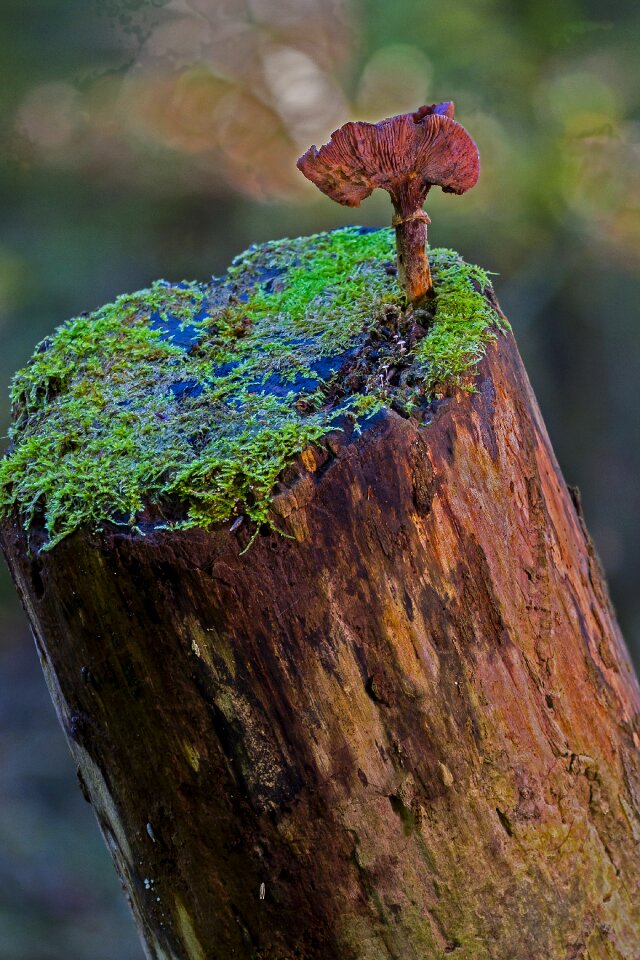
[[184, 402]]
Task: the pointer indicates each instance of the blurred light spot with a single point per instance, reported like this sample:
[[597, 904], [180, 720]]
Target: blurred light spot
[[49, 115], [396, 79], [585, 123], [206, 38], [580, 101], [179, 41], [233, 50], [258, 153], [176, 110], [307, 99], [324, 30], [603, 188]]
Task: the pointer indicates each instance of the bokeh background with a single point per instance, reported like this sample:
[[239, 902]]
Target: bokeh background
[[149, 138]]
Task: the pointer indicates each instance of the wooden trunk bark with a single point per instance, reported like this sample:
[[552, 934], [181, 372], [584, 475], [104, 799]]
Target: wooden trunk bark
[[410, 732]]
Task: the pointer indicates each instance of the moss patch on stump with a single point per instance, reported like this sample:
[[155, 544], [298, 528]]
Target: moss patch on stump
[[180, 405]]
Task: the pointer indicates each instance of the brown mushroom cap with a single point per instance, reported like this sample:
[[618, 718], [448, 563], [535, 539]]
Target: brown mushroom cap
[[405, 155]]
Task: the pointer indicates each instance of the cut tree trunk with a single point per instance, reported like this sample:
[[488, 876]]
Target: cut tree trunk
[[409, 732]]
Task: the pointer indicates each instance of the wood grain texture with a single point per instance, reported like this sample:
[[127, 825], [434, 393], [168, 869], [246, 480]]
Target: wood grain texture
[[410, 732]]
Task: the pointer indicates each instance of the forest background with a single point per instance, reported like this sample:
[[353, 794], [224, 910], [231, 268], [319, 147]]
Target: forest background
[[157, 138]]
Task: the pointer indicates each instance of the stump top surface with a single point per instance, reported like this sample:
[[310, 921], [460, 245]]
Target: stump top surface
[[184, 402]]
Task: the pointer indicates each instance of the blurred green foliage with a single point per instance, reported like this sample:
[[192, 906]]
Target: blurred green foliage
[[144, 138]]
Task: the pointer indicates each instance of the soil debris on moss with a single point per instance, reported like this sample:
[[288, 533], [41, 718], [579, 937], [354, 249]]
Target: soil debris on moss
[[180, 405]]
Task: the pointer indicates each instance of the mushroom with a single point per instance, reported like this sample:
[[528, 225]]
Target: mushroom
[[405, 155]]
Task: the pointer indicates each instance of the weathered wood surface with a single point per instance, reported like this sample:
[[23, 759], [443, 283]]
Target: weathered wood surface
[[411, 732]]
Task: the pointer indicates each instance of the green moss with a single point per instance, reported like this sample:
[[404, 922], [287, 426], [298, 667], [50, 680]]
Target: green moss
[[180, 405]]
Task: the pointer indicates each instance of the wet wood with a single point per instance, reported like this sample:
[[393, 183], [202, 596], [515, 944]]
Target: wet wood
[[410, 732]]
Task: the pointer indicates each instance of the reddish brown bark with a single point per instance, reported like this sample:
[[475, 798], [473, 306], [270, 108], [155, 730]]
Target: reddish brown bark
[[410, 732]]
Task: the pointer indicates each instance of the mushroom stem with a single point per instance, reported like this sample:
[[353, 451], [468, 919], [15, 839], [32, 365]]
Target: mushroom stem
[[414, 272], [405, 155]]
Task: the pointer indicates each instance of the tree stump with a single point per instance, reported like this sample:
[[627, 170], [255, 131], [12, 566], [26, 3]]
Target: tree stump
[[407, 729]]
